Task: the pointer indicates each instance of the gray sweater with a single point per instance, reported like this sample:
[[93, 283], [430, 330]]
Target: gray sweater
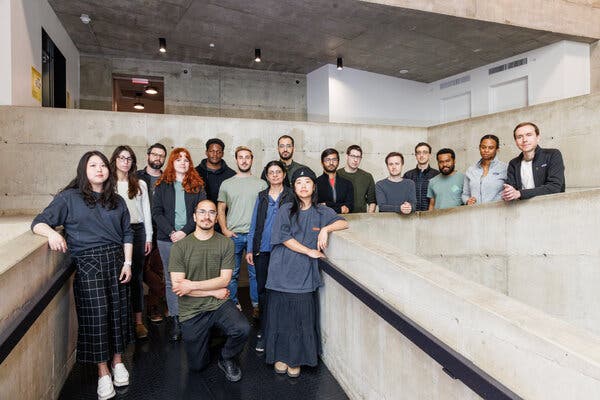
[[390, 195]]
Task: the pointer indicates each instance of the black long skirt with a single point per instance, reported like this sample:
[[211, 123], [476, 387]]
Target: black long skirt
[[292, 330], [102, 304]]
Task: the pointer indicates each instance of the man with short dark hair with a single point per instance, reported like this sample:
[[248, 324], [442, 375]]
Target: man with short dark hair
[[201, 267], [536, 171], [394, 193], [153, 269], [237, 196], [445, 190], [285, 148], [362, 181], [333, 190], [213, 169], [421, 175]]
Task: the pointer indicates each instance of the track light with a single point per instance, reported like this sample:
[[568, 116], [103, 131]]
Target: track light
[[340, 64], [151, 90], [162, 45], [257, 55]]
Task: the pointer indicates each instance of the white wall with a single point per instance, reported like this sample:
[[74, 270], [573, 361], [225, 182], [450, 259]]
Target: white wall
[[317, 94], [553, 72], [27, 18], [5, 66]]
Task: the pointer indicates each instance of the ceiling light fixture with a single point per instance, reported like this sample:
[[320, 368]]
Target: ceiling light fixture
[[257, 55], [211, 45], [340, 64], [151, 90], [403, 71], [138, 105], [162, 45], [85, 19]]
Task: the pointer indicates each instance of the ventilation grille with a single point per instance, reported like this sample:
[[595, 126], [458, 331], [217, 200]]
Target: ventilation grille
[[504, 67], [455, 82]]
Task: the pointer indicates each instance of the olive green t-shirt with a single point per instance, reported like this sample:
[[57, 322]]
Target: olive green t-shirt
[[364, 188], [200, 260], [239, 194]]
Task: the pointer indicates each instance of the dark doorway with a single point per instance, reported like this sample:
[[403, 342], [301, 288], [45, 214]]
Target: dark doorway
[[131, 94], [54, 74]]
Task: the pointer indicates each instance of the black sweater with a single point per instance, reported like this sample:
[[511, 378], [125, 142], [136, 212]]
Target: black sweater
[[344, 193]]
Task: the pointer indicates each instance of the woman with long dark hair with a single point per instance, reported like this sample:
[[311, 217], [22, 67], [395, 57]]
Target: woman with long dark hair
[[177, 192], [300, 234], [485, 179], [99, 237], [258, 252], [123, 165]]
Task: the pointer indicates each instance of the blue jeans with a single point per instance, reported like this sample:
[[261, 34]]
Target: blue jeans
[[164, 248], [240, 243]]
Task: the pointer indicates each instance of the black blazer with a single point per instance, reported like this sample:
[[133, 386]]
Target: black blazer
[[163, 210], [344, 191], [548, 173]]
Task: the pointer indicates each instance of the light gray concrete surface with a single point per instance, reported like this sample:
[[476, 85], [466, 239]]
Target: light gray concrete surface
[[41, 147], [204, 90], [535, 355]]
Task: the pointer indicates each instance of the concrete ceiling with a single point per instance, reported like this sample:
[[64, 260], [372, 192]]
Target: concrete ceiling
[[296, 36]]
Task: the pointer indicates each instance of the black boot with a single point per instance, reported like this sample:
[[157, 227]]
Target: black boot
[[175, 329], [231, 369]]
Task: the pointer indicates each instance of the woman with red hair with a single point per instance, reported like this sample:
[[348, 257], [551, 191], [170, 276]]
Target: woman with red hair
[[176, 195]]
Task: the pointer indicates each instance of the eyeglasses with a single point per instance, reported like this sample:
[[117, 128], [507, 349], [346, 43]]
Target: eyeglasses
[[331, 160], [157, 155], [286, 146], [354, 156], [275, 172], [125, 159], [211, 213]]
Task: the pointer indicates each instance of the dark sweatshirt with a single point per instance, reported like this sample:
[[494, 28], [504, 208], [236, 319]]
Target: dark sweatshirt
[[214, 178]]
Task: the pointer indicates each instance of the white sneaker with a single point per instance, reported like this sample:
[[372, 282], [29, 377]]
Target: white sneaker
[[120, 375], [105, 388]]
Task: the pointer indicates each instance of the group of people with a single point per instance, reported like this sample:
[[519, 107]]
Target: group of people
[[194, 225]]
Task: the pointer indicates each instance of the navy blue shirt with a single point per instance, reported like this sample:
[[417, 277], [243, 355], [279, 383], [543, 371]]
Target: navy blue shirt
[[265, 240], [86, 227], [290, 271]]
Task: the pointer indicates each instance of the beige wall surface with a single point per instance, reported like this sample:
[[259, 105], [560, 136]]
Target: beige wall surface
[[571, 125], [41, 147], [205, 90]]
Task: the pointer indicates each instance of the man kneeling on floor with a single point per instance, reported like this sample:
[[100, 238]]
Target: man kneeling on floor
[[201, 266]]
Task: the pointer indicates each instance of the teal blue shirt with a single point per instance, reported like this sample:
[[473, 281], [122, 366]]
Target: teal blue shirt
[[446, 190], [180, 211]]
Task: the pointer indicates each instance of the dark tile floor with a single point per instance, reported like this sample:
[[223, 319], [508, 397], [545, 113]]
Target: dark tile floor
[[158, 370]]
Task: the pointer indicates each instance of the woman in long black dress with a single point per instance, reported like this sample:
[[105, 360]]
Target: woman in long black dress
[[300, 234], [99, 238]]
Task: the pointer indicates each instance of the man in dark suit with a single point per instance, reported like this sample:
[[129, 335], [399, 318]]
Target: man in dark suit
[[536, 171], [333, 190]]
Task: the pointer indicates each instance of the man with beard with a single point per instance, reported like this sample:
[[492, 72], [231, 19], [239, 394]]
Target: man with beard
[[394, 193], [200, 266], [333, 190], [237, 196], [362, 181], [535, 171], [445, 189], [213, 169], [422, 174], [285, 147], [153, 268]]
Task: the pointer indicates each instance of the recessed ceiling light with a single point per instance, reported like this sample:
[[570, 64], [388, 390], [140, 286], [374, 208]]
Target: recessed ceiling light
[[162, 45], [403, 71], [85, 19], [211, 45]]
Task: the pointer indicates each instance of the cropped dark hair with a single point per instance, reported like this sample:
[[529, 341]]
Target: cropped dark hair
[[446, 151], [286, 137], [212, 141], [492, 137], [157, 146], [354, 147], [394, 154], [328, 152], [109, 198], [274, 163], [422, 144], [537, 130]]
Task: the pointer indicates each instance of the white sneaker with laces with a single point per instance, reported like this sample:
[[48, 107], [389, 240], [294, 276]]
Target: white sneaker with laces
[[106, 389], [120, 375]]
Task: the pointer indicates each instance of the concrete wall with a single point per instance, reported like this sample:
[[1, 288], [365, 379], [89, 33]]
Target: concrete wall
[[205, 90], [532, 251], [572, 125], [40, 363], [533, 354], [5, 62], [595, 67], [41, 147], [27, 18]]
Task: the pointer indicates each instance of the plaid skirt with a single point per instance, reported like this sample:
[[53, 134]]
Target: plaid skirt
[[102, 304]]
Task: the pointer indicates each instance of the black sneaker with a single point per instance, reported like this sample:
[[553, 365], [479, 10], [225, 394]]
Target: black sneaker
[[260, 345], [232, 371], [175, 329]]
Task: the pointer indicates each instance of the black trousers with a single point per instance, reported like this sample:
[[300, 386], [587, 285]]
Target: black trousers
[[137, 267], [261, 264], [196, 334]]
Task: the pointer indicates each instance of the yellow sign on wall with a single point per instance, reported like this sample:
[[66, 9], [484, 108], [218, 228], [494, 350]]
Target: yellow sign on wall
[[36, 84]]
